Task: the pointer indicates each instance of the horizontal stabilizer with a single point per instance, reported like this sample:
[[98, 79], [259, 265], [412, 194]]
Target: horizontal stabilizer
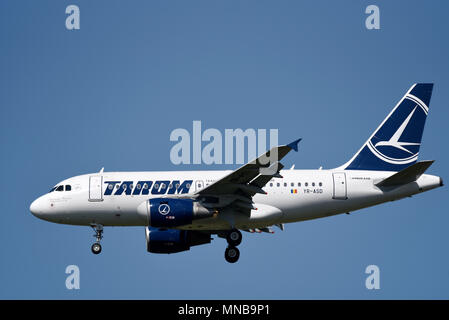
[[406, 175]]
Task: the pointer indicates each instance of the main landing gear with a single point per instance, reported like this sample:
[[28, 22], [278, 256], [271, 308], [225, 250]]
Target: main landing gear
[[234, 238], [96, 247]]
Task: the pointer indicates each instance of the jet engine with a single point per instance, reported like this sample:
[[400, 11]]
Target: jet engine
[[173, 240], [170, 213]]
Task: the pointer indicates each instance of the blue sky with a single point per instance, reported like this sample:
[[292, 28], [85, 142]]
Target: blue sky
[[108, 95]]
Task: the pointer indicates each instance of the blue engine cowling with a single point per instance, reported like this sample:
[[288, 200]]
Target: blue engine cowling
[[173, 240], [171, 212]]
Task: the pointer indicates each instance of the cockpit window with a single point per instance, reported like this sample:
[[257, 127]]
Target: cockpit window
[[52, 189], [60, 188], [68, 187]]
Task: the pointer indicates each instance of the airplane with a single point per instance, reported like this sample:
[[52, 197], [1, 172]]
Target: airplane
[[182, 209]]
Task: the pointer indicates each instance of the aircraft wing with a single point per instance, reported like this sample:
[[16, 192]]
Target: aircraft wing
[[238, 187]]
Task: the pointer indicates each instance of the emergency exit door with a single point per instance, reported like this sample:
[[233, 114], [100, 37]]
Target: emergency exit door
[[340, 190], [95, 188]]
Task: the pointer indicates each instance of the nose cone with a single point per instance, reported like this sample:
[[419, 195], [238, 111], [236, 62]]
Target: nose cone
[[37, 208]]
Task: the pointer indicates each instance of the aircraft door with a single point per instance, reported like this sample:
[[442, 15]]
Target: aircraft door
[[95, 188], [340, 189]]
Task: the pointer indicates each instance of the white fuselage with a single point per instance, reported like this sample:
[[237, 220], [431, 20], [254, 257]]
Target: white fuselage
[[298, 195]]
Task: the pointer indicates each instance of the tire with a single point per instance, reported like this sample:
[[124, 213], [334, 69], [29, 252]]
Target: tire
[[232, 254], [96, 248], [234, 237]]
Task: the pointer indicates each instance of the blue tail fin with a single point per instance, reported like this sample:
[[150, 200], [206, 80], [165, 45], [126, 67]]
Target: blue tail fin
[[395, 143]]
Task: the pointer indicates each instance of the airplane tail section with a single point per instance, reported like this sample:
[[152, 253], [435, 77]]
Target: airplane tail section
[[394, 145], [407, 175]]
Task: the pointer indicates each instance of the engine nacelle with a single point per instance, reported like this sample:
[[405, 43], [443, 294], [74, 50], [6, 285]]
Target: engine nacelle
[[173, 240], [170, 213]]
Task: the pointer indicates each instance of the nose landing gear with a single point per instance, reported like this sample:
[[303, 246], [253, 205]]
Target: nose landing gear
[[96, 247], [234, 238]]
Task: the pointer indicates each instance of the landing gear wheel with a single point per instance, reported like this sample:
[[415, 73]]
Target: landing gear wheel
[[232, 254], [234, 237], [96, 248]]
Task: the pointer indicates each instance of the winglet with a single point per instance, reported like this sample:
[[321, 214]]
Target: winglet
[[294, 144]]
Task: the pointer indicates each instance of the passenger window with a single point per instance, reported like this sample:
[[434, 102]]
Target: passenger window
[[271, 184], [60, 188], [278, 184], [306, 184], [299, 184], [68, 187], [313, 184], [285, 184], [320, 184], [292, 184]]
